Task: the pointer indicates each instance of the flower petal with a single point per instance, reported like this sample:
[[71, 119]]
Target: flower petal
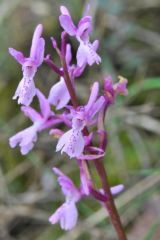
[[31, 113], [85, 181], [70, 191], [70, 216], [81, 55], [39, 54], [93, 96], [66, 21], [72, 143], [117, 189], [44, 104], [68, 54], [78, 70], [56, 216], [92, 56], [64, 10], [96, 107], [67, 24], [25, 91], [35, 40], [87, 53], [67, 216], [63, 140], [59, 95], [84, 27], [95, 45], [27, 148], [18, 56], [25, 139], [91, 156], [76, 145]]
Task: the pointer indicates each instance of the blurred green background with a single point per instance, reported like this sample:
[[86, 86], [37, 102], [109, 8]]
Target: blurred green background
[[129, 37]]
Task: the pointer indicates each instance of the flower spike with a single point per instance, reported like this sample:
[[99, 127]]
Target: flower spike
[[85, 138]]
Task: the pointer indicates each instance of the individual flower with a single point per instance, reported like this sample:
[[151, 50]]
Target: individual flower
[[73, 142], [59, 95], [26, 89], [27, 137], [87, 51], [112, 90], [67, 213]]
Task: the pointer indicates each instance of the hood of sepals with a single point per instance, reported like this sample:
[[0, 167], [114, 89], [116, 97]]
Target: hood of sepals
[[84, 28], [81, 118]]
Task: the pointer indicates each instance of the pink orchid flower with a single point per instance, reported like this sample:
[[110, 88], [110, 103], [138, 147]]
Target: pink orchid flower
[[73, 142], [67, 213], [26, 89], [87, 51], [27, 137], [59, 95]]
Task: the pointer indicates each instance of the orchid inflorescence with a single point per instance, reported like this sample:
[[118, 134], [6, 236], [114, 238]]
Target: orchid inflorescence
[[84, 123]]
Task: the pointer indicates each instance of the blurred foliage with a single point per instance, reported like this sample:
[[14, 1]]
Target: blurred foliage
[[129, 45]]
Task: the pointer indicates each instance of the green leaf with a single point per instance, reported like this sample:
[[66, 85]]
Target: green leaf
[[147, 84]]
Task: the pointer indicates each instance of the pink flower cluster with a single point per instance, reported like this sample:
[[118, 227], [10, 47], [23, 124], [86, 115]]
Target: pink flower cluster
[[81, 122]]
